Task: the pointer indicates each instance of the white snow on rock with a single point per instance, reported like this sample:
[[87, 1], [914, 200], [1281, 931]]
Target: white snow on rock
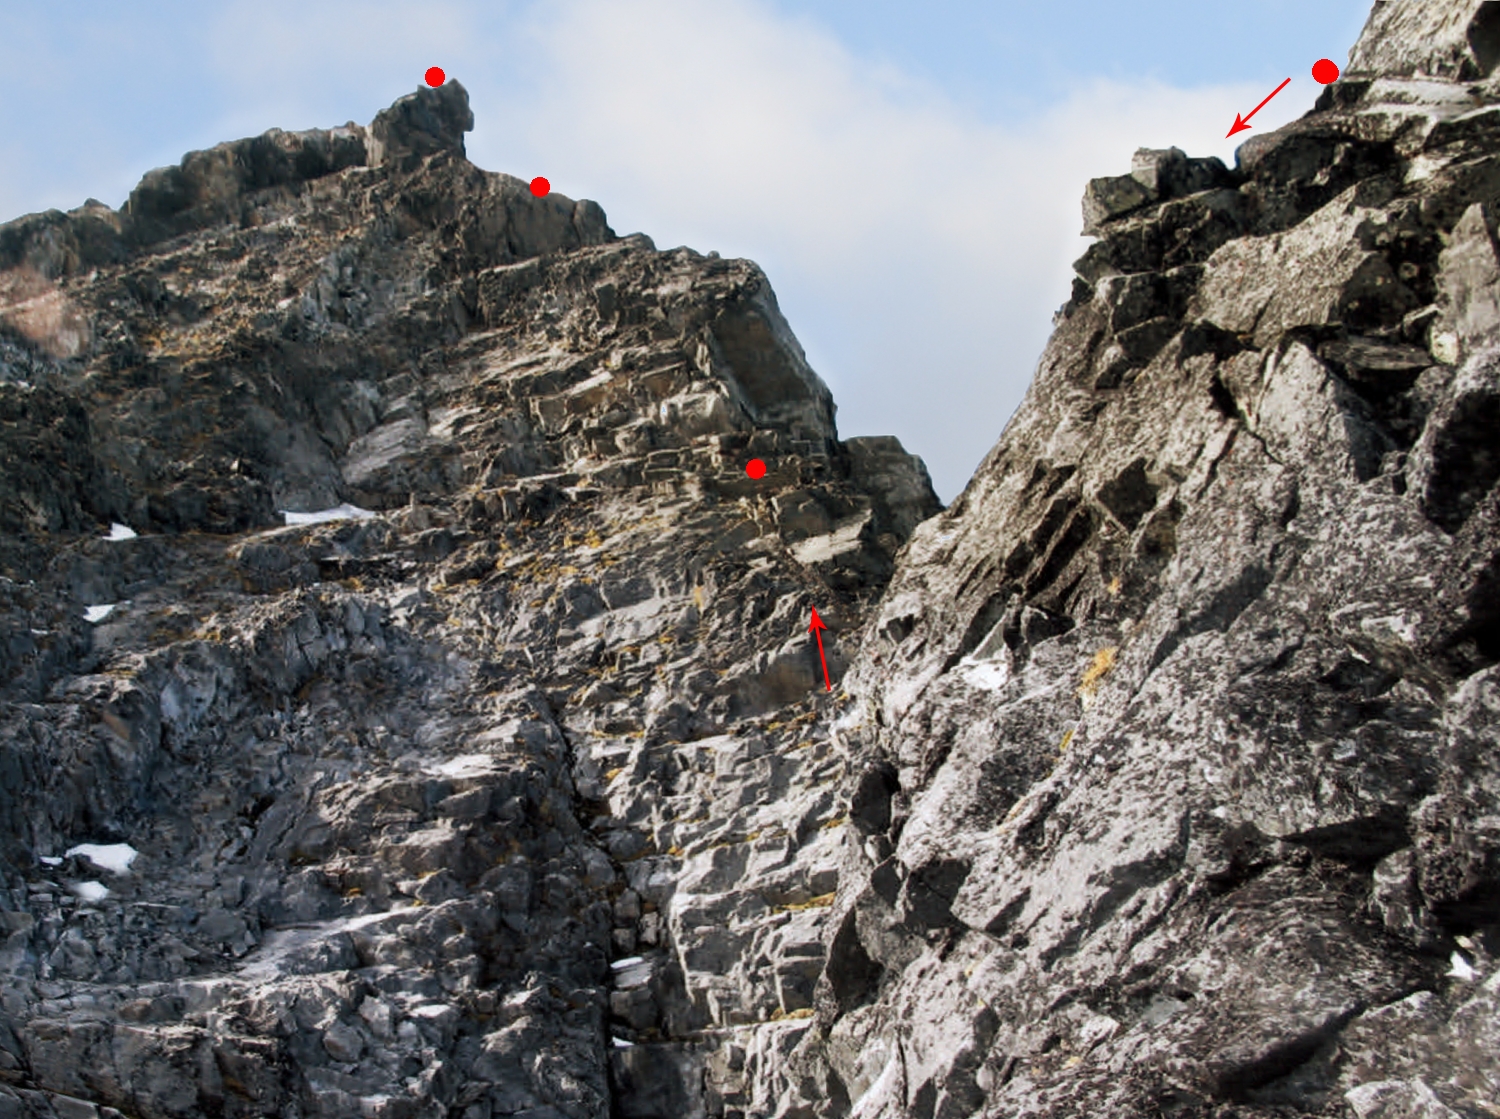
[[990, 675], [1462, 969], [621, 1043], [97, 613], [343, 512], [628, 961], [50, 860], [91, 891], [113, 857], [465, 765], [117, 531]]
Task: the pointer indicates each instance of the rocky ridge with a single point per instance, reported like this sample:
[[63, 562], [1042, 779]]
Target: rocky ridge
[[497, 779], [1161, 774], [1174, 774]]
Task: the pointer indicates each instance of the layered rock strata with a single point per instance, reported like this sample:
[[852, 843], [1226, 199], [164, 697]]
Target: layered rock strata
[[499, 781], [1174, 768], [1159, 779]]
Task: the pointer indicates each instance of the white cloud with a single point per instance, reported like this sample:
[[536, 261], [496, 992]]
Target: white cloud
[[918, 250], [273, 73]]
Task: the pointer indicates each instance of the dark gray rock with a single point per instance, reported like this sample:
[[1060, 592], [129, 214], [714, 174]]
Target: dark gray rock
[[539, 698], [421, 124], [1157, 776], [1170, 738]]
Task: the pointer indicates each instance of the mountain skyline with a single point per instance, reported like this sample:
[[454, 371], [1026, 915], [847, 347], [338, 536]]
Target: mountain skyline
[[865, 155]]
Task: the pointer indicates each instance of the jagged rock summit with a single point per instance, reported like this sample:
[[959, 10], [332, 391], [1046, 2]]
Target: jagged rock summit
[[408, 708], [1160, 777], [1176, 775]]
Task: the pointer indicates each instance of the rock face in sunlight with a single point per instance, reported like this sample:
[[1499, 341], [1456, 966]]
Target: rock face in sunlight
[[409, 709], [380, 571], [1174, 769]]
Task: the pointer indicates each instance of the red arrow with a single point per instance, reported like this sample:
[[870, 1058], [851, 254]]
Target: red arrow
[[1240, 122], [817, 628]]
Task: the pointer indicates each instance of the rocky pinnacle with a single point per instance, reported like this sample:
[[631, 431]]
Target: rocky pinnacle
[[408, 708]]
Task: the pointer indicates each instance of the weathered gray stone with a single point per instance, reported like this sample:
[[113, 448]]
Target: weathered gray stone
[[1107, 199], [1215, 618], [421, 124], [406, 781], [1454, 39], [1158, 775]]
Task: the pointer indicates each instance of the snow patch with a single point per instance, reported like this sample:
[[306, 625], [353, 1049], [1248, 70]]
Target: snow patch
[[628, 961], [990, 674], [343, 512], [1462, 969], [98, 613], [117, 531], [113, 857], [465, 765], [621, 1043], [50, 860], [91, 891]]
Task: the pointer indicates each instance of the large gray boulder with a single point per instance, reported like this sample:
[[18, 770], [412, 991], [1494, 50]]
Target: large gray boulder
[[421, 124], [1453, 39]]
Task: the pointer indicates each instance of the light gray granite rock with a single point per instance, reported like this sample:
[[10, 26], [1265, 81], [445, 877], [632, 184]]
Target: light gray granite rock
[[1170, 745], [1158, 775]]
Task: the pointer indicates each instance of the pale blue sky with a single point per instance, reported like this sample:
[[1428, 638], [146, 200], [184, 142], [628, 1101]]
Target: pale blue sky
[[908, 174]]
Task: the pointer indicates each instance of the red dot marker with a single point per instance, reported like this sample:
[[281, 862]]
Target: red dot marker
[[435, 76], [540, 186], [1325, 71], [755, 468]]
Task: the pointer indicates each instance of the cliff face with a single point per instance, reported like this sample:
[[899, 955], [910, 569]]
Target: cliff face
[[1177, 777], [1160, 773], [508, 789]]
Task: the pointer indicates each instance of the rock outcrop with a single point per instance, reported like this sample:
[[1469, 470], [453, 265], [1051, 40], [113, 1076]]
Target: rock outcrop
[[1174, 778], [1159, 775], [496, 778]]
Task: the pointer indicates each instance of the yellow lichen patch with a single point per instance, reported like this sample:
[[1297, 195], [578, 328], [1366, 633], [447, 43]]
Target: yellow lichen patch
[[780, 1015], [675, 851], [822, 901], [1112, 588], [354, 892], [1100, 667], [611, 774], [699, 598], [836, 822], [1067, 738]]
